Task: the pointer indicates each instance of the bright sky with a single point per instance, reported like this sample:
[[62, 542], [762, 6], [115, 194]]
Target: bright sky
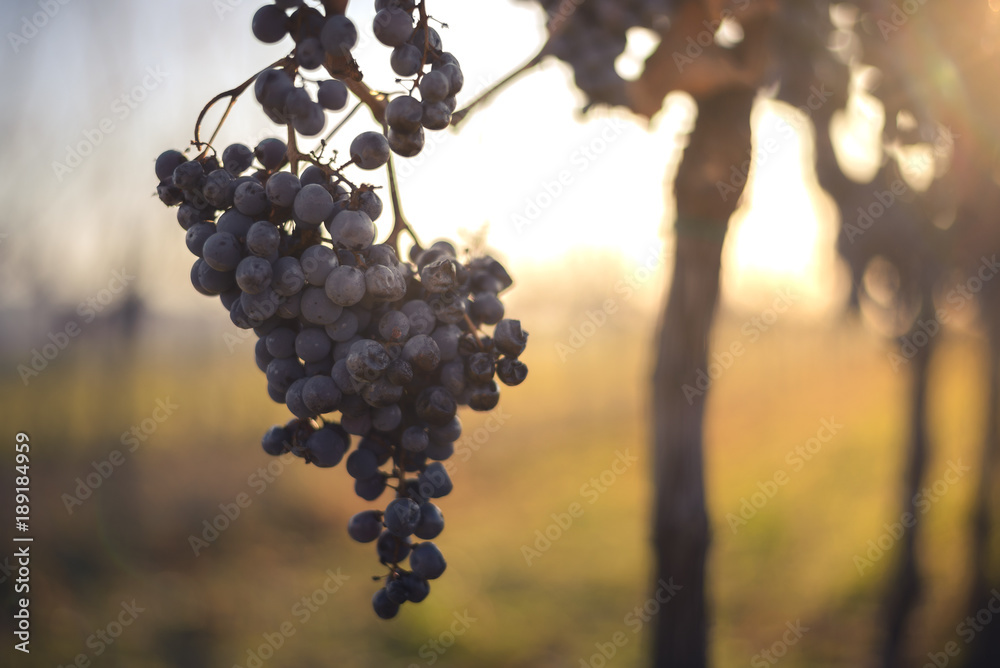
[[548, 183]]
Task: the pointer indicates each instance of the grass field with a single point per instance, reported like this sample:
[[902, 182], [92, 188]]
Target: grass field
[[258, 586]]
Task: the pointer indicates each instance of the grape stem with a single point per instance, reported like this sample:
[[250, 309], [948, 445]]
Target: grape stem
[[460, 115], [474, 331], [399, 223], [233, 95]]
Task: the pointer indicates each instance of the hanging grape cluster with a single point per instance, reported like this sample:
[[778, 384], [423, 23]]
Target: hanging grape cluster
[[357, 342], [590, 34]]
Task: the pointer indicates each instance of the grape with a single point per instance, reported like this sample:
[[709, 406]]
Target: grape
[[405, 60], [339, 35], [455, 78], [387, 418], [393, 26], [427, 561], [434, 86], [293, 399], [367, 360], [309, 53], [167, 162], [275, 441], [332, 94], [417, 588], [345, 285], [434, 479], [353, 230], [250, 198], [509, 338], [235, 223], [321, 394], [298, 104], [511, 371], [431, 522], [253, 274], [447, 337], [317, 263], [282, 188], [394, 326], [370, 150], [313, 204], [270, 24], [312, 344], [314, 175], [428, 36], [221, 251], [344, 328], [365, 526], [289, 278], [280, 342], [213, 281], [237, 159], [403, 114], [435, 405], [402, 517], [484, 397], [271, 88], [197, 235], [188, 174], [271, 153], [436, 116], [326, 447], [317, 307], [422, 352], [371, 204], [415, 439], [406, 144], [362, 465], [487, 308], [312, 123], [384, 607], [263, 238], [370, 489]]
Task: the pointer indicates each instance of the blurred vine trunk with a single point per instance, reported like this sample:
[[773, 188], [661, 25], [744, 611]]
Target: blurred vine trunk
[[719, 140], [905, 585]]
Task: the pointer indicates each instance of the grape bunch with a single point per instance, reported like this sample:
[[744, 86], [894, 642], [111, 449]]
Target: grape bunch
[[590, 34], [328, 41], [359, 344]]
